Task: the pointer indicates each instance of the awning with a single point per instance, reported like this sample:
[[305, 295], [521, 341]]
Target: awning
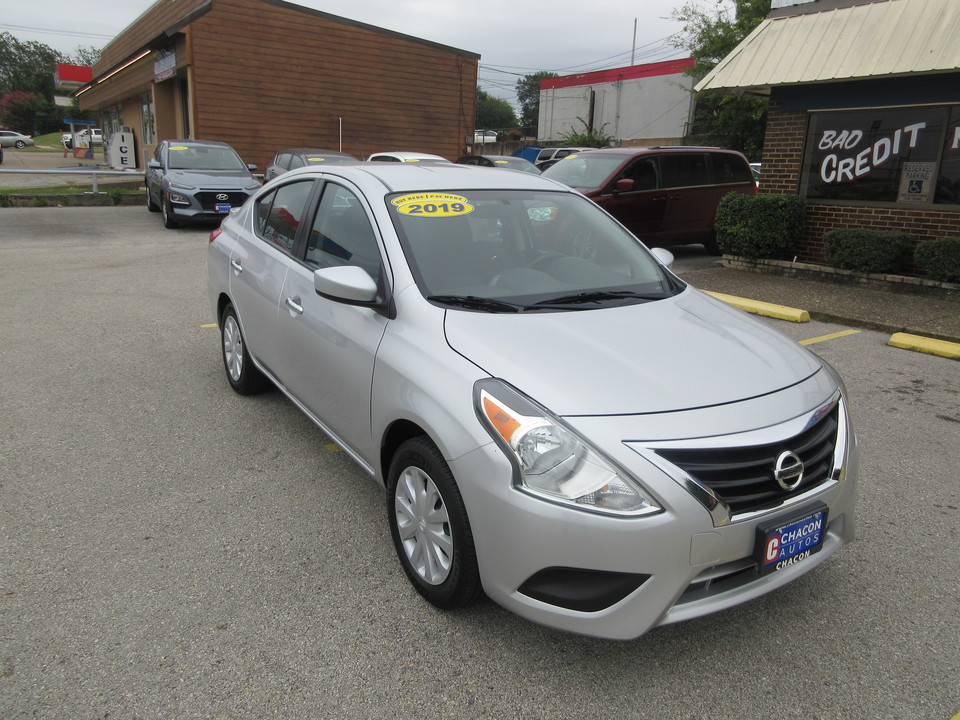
[[885, 38]]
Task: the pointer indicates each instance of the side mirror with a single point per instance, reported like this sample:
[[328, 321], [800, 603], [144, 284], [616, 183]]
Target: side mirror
[[663, 255], [154, 165], [251, 167], [347, 283], [625, 185]]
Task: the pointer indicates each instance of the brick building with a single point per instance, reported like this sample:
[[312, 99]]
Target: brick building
[[864, 115], [264, 75]]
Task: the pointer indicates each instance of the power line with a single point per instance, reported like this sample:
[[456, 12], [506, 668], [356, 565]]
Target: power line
[[47, 31]]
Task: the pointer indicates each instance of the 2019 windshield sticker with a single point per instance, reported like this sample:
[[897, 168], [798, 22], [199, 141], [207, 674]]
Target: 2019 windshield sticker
[[432, 205], [179, 147]]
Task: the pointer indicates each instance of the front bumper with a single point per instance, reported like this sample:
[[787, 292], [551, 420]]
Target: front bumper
[[618, 577]]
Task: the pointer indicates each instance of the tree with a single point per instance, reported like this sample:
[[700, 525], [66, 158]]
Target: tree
[[494, 113], [528, 95], [88, 56], [25, 112], [726, 120], [26, 66]]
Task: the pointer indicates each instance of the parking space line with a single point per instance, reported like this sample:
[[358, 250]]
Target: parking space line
[[927, 345], [778, 312], [208, 325], [831, 336]]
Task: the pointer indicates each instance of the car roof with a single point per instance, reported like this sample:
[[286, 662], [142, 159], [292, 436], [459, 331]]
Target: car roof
[[402, 177], [201, 143], [313, 151], [409, 155]]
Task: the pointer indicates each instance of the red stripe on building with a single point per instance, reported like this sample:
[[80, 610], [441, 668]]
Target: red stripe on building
[[667, 67]]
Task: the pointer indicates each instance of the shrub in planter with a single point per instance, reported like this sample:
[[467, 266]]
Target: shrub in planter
[[939, 258], [759, 226], [868, 251]]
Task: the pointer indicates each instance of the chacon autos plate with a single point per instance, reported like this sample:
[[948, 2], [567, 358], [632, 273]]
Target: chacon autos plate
[[791, 540]]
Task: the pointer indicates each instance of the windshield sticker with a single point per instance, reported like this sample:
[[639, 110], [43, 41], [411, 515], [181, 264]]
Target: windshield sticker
[[315, 159], [542, 214], [500, 162], [179, 147], [432, 205]]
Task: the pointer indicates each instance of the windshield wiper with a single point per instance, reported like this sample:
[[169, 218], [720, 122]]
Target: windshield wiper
[[598, 296], [474, 302]]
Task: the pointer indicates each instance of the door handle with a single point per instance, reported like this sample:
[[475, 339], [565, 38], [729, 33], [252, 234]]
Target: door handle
[[294, 304], [237, 266]]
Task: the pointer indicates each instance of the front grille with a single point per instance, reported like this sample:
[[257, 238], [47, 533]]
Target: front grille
[[208, 200], [743, 477]]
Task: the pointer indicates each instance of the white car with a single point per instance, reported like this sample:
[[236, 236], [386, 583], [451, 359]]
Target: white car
[[557, 420], [481, 137], [9, 138], [406, 157]]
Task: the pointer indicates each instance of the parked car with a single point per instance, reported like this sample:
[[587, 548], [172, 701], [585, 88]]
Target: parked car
[[300, 157], [9, 138], [552, 154], [406, 157], [195, 180], [557, 420], [665, 196], [507, 162], [482, 137], [94, 134]]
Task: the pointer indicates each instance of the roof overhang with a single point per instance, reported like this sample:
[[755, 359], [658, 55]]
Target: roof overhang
[[831, 42]]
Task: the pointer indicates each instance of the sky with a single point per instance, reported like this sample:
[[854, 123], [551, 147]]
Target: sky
[[563, 36]]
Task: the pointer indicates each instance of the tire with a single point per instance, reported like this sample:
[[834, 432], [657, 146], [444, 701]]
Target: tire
[[151, 205], [168, 221], [710, 244], [429, 526], [20, 144], [242, 374]]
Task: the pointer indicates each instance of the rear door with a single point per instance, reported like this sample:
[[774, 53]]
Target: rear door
[[258, 267], [691, 197]]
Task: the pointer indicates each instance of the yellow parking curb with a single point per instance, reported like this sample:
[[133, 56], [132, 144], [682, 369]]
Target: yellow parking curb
[[780, 312], [922, 344]]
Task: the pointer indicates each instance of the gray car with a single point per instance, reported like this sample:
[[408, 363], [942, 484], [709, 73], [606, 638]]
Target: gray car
[[557, 420], [9, 138], [197, 180]]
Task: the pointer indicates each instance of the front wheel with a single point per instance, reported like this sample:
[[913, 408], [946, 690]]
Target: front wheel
[[167, 214], [243, 376], [429, 526], [151, 205], [20, 144]]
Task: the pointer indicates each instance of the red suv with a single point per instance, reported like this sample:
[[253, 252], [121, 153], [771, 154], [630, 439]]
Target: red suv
[[663, 195]]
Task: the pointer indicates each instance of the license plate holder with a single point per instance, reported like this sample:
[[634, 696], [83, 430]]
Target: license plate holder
[[222, 207], [792, 539]]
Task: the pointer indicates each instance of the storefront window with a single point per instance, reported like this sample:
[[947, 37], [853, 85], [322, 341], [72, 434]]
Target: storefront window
[[146, 119], [885, 155]]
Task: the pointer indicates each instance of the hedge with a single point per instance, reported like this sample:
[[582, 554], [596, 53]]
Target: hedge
[[760, 226], [868, 251], [939, 258]]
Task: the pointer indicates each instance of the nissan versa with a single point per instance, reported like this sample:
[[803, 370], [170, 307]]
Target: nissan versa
[[558, 420]]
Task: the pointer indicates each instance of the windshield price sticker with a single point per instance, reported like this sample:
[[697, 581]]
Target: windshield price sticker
[[432, 205], [784, 545], [178, 147]]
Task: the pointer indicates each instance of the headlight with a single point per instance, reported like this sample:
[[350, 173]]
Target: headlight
[[553, 462], [179, 198]]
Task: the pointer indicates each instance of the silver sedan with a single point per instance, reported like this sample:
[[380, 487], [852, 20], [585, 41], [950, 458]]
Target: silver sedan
[[557, 420]]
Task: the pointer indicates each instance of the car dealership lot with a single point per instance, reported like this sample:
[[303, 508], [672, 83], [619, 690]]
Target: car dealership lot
[[173, 549]]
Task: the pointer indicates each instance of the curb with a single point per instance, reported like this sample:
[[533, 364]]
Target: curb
[[778, 312], [927, 345]]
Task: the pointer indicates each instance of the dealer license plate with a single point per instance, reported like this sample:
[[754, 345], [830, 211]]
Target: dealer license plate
[[791, 541], [222, 207]]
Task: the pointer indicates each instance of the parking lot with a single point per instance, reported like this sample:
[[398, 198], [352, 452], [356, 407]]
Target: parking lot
[[173, 550]]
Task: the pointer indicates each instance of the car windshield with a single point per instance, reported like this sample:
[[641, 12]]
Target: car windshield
[[522, 251], [203, 157], [586, 171]]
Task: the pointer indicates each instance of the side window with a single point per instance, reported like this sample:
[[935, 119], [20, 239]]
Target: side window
[[730, 169], [283, 160], [279, 214], [295, 162], [684, 169], [342, 234], [644, 173]]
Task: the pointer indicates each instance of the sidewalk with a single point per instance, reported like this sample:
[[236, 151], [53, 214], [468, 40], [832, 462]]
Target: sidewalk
[[846, 304]]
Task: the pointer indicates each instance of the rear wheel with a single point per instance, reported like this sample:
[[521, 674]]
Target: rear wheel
[[710, 244], [429, 526], [151, 205], [21, 144], [243, 376]]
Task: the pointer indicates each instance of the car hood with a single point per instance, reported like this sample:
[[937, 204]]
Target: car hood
[[219, 178], [685, 352]]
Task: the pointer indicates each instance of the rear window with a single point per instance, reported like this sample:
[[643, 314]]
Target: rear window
[[729, 168]]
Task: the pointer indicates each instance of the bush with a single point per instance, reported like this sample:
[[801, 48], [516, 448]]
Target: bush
[[868, 251], [759, 226], [939, 258]]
